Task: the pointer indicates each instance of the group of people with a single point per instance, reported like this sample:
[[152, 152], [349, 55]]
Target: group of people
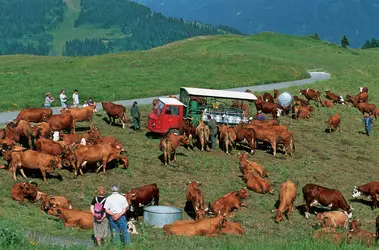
[[109, 216], [64, 103]]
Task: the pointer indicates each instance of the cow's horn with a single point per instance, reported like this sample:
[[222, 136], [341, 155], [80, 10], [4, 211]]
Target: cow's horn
[[245, 188], [34, 183], [196, 208], [133, 194], [316, 212], [198, 182]]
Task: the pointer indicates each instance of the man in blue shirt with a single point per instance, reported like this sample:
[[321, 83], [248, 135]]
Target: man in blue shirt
[[367, 122]]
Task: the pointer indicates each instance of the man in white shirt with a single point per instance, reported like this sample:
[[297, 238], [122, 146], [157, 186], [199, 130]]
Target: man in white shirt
[[75, 98], [115, 206], [63, 98]]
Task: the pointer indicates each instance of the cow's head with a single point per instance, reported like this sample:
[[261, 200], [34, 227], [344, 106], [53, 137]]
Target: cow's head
[[279, 215], [55, 211], [194, 184], [356, 192], [130, 197], [242, 193], [185, 140]]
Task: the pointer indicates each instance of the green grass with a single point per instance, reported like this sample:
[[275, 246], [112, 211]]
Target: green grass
[[341, 160]]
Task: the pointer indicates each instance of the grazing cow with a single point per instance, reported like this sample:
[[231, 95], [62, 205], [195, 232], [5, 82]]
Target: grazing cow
[[142, 196], [317, 195], [82, 114], [371, 190], [227, 136], [103, 153], [355, 233], [366, 108], [251, 167], [332, 219], [30, 159], [72, 217], [276, 94], [327, 103], [232, 228], [334, 122], [330, 235], [25, 191], [61, 122], [169, 144], [362, 97], [54, 201], [115, 111], [34, 114], [229, 202], [257, 184], [286, 197], [267, 97], [269, 108], [245, 134], [203, 133], [196, 198], [311, 94], [204, 227], [42, 130]]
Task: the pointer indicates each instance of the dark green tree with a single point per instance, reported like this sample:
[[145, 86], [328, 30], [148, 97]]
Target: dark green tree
[[315, 36], [345, 42]]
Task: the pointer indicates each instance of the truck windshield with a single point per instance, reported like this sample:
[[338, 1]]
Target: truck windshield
[[160, 107]]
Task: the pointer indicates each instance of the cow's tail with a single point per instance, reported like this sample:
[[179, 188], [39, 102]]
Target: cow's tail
[[377, 228]]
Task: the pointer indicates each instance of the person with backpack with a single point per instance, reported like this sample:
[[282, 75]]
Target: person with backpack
[[100, 220]]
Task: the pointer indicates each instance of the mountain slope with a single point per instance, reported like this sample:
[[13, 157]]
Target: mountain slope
[[332, 19]]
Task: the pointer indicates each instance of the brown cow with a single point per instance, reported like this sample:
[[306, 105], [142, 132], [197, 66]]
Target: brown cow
[[229, 202], [286, 197], [366, 108], [42, 130], [25, 191], [334, 122], [249, 167], [196, 198], [370, 190], [188, 129], [266, 135], [352, 100], [303, 114], [169, 144], [267, 97], [332, 219], [257, 184], [269, 108], [327, 103], [25, 129], [227, 136], [358, 234], [204, 227], [111, 141], [300, 101], [33, 160], [233, 228], [55, 148], [34, 114], [12, 132], [362, 97], [329, 234], [54, 201], [261, 122], [142, 196], [103, 153], [91, 137], [317, 195], [115, 111], [331, 96], [82, 114], [7, 144], [203, 133], [73, 218], [311, 94], [61, 122], [245, 134]]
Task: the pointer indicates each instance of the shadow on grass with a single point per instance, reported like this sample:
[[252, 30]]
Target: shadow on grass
[[30, 173], [188, 208], [362, 201], [152, 135], [161, 158]]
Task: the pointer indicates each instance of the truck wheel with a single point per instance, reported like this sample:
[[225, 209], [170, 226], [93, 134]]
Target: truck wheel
[[174, 131]]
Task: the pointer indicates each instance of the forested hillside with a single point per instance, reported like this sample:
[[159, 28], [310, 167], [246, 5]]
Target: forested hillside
[[331, 19], [24, 25]]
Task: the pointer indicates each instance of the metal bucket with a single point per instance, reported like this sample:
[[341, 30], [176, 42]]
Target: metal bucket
[[159, 216]]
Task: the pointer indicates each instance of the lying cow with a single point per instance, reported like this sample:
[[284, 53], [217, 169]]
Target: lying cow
[[371, 190], [50, 201], [317, 195], [356, 233], [327, 103], [73, 218], [229, 202], [332, 219], [257, 184], [287, 196], [251, 167], [329, 235], [115, 111], [142, 196], [25, 191], [170, 143], [196, 198]]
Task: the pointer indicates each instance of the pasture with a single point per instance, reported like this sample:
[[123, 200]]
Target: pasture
[[340, 160]]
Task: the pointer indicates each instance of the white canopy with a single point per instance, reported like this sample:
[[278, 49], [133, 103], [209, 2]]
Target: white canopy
[[171, 101], [220, 94]]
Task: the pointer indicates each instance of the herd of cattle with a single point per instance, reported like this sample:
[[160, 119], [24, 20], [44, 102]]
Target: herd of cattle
[[45, 146]]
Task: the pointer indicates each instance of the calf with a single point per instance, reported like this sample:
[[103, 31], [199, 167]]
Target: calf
[[142, 196], [55, 201], [249, 167], [257, 184], [286, 197], [352, 100], [25, 191], [334, 122], [356, 233], [371, 190], [317, 195], [327, 103], [332, 219], [196, 198], [229, 202], [25, 129], [115, 111], [170, 143], [203, 133], [329, 234], [91, 137], [73, 218]]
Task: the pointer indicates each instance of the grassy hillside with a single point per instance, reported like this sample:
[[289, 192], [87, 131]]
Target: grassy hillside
[[341, 160]]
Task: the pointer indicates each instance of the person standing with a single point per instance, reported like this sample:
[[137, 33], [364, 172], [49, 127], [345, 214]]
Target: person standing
[[367, 122], [212, 124], [100, 220], [75, 98], [136, 115], [48, 100], [116, 206], [63, 98]]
